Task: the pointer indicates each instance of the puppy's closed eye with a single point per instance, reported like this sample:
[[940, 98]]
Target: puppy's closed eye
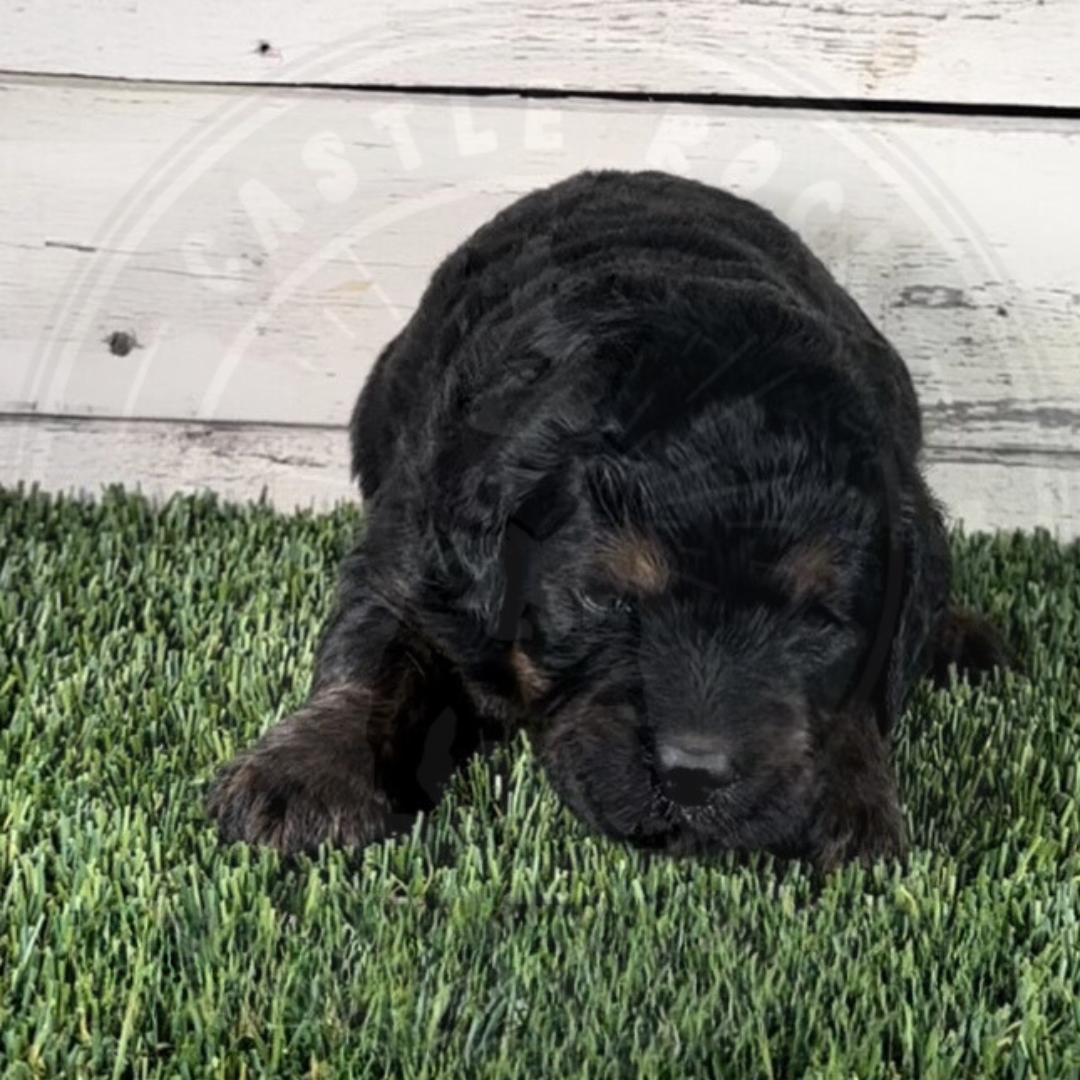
[[599, 602], [827, 613]]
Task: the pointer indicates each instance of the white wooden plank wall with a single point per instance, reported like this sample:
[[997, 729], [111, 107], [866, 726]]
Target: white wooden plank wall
[[1019, 52], [304, 467], [195, 276]]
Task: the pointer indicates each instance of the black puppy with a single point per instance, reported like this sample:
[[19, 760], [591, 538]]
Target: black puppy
[[641, 478]]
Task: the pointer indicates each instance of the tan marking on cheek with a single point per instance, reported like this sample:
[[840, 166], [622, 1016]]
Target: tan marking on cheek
[[531, 683], [809, 569], [635, 561], [794, 748], [785, 746]]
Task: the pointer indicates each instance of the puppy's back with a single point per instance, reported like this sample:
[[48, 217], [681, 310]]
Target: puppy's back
[[565, 262]]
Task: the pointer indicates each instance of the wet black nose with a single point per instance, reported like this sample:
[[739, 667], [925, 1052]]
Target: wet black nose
[[691, 769], [691, 787]]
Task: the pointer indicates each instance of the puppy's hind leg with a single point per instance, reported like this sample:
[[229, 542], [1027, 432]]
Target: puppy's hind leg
[[384, 727], [969, 643]]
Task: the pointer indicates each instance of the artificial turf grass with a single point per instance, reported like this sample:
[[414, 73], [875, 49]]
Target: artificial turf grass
[[141, 647]]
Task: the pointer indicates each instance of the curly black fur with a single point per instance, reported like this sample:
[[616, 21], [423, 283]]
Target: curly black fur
[[641, 478]]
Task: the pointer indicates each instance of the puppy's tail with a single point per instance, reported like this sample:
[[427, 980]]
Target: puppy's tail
[[971, 644]]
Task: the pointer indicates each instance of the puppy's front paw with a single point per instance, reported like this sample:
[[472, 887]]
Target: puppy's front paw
[[852, 828], [299, 787]]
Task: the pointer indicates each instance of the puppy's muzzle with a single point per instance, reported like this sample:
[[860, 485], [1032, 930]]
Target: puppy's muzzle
[[692, 768]]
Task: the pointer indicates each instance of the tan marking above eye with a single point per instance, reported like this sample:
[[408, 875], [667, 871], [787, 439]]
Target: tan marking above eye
[[634, 561], [530, 682], [810, 569]]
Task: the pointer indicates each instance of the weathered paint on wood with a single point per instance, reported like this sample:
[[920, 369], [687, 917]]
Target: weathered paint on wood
[[224, 254], [977, 51], [308, 468], [298, 467]]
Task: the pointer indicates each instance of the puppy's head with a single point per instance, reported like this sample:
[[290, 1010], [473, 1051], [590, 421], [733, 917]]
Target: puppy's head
[[677, 635], [683, 573]]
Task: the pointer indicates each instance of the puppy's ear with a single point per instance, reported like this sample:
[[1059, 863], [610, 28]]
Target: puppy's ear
[[544, 507], [916, 595], [536, 516]]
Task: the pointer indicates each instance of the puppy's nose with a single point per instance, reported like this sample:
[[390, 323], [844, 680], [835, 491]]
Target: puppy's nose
[[691, 768]]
